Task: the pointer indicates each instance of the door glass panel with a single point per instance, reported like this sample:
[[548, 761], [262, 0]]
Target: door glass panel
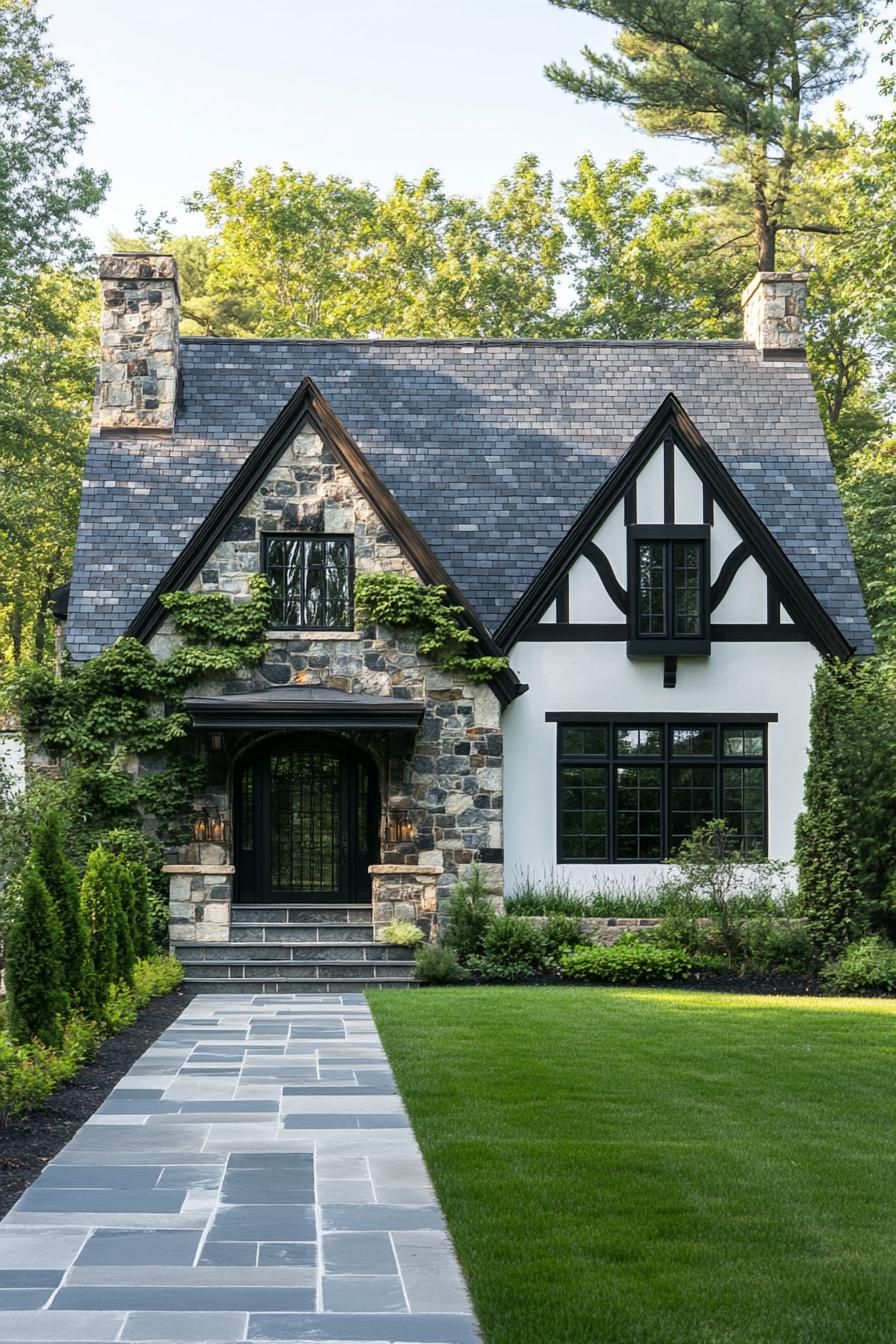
[[306, 831]]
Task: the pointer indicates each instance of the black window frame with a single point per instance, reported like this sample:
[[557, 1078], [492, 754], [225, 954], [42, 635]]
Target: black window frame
[[345, 538], [666, 761], [668, 643]]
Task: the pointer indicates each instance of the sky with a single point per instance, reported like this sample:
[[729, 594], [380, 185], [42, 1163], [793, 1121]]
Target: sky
[[366, 89]]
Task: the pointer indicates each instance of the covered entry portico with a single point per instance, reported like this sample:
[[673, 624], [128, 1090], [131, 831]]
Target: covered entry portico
[[305, 783]]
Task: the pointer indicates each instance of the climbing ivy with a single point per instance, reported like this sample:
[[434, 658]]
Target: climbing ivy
[[127, 702], [402, 602]]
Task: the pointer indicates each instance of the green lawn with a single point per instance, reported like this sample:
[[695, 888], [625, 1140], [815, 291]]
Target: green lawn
[[658, 1166]]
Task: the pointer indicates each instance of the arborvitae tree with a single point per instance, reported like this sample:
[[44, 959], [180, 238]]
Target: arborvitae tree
[[146, 856], [142, 929], [99, 905], [830, 891], [61, 880], [125, 916], [35, 995]]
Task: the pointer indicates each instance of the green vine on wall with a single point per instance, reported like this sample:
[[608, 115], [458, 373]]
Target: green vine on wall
[[127, 702], [399, 601]]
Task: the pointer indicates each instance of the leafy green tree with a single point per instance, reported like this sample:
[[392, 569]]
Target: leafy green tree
[[869, 500], [36, 1001], [739, 75], [101, 913], [44, 116], [47, 378], [47, 342], [59, 875], [647, 266]]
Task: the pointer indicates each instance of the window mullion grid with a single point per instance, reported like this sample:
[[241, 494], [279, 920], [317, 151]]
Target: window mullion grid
[[669, 604]]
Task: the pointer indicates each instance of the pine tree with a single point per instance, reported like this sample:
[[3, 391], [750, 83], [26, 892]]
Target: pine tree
[[98, 904], [35, 995], [61, 880]]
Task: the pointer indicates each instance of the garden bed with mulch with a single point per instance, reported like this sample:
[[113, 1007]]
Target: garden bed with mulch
[[28, 1145]]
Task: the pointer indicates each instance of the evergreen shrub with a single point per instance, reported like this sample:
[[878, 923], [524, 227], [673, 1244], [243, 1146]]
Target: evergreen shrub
[[512, 949], [630, 961], [865, 967], [438, 965]]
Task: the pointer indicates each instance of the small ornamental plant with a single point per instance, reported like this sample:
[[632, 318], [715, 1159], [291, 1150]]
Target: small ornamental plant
[[401, 933]]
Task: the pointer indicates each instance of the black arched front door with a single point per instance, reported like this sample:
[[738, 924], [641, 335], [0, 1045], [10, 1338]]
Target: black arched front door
[[307, 823]]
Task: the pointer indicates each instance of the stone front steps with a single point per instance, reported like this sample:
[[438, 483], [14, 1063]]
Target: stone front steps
[[293, 949]]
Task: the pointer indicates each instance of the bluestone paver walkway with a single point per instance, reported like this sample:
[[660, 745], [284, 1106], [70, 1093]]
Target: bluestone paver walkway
[[254, 1177]]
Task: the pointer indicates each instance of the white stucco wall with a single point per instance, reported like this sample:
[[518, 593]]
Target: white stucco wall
[[598, 678], [12, 760]]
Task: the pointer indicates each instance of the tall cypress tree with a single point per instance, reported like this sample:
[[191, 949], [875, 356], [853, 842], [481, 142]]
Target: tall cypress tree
[[98, 903], [61, 880], [35, 994]]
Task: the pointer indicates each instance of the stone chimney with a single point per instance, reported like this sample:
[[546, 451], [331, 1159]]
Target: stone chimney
[[140, 344], [774, 306]]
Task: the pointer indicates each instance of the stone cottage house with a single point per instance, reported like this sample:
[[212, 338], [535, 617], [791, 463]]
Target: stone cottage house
[[649, 531]]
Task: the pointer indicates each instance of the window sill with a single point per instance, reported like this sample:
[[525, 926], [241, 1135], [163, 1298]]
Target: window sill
[[315, 634]]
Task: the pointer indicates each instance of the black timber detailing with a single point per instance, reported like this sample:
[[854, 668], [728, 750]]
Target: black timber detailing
[[669, 482], [562, 610], [615, 592], [309, 408], [575, 716], [584, 633], [671, 418], [725, 577], [670, 673]]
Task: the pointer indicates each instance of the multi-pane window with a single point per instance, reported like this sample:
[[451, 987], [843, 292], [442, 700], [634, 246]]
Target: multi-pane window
[[311, 581], [631, 792], [669, 590]]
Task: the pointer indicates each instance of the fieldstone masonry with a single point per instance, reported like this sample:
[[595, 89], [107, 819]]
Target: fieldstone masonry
[[448, 779], [140, 343], [774, 308]]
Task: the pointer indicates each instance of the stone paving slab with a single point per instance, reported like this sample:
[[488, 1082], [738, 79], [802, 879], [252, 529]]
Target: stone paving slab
[[254, 1177]]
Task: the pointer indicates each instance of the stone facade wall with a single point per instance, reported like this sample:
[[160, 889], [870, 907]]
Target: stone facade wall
[[140, 343], [449, 780], [605, 932], [774, 309]]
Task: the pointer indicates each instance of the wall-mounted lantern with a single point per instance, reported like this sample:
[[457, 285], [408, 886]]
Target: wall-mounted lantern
[[208, 825], [400, 829]]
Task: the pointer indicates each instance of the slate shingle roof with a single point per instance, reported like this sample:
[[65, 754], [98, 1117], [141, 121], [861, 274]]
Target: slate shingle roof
[[491, 448]]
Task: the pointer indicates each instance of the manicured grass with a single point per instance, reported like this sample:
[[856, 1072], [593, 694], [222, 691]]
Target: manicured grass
[[657, 1166]]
